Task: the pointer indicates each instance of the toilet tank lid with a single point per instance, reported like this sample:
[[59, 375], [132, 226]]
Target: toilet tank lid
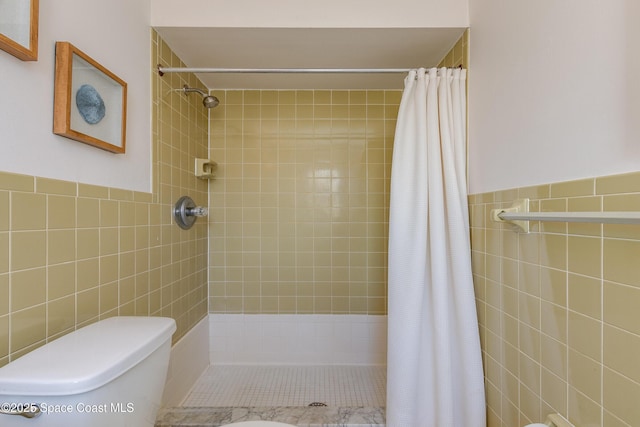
[[87, 358]]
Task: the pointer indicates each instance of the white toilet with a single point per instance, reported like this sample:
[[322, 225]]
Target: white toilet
[[110, 373]]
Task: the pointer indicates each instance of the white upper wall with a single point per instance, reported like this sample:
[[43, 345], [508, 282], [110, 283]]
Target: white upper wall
[[308, 14], [116, 34], [554, 91]]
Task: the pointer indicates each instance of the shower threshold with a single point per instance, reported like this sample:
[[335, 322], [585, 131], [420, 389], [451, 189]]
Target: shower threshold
[[354, 395]]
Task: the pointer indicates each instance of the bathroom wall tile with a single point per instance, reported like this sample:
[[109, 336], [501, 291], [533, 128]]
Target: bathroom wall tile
[[289, 220], [28, 211], [120, 194], [87, 305], [109, 241], [27, 327], [584, 335], [92, 191], [553, 391], [534, 192], [622, 203], [127, 214], [16, 182], [553, 205], [553, 286], [610, 420], [4, 252], [143, 197], [583, 187], [529, 248], [28, 249], [553, 250], [620, 261], [127, 239], [619, 306], [4, 294], [4, 210], [4, 331], [61, 246], [584, 320], [61, 280], [88, 243], [87, 274], [585, 295], [56, 186], [621, 397], [127, 264], [109, 268], [585, 204], [61, 315], [585, 375], [584, 255], [61, 212], [88, 212], [553, 321], [582, 410], [108, 213], [28, 287], [621, 352], [625, 183]]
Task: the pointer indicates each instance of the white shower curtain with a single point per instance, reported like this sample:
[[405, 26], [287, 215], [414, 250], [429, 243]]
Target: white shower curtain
[[434, 366]]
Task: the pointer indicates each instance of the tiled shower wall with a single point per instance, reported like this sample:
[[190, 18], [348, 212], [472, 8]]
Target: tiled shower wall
[[299, 209], [558, 308], [459, 53], [73, 253]]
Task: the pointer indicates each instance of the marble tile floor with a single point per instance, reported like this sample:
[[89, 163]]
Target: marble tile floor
[[354, 395], [296, 415]]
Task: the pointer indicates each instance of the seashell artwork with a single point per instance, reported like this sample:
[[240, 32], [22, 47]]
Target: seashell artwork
[[90, 104]]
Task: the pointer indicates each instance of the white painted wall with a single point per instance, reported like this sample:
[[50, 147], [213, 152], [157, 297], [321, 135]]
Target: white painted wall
[[116, 34], [310, 14], [554, 91]]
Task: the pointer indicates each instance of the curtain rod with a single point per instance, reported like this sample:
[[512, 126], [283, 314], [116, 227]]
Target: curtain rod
[[162, 70]]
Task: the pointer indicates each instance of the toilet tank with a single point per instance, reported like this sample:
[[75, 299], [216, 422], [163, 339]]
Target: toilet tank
[[110, 373]]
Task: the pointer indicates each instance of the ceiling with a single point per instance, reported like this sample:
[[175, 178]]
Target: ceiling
[[308, 48]]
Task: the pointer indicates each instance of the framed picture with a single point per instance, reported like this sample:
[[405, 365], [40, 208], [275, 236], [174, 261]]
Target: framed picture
[[90, 102], [19, 28]]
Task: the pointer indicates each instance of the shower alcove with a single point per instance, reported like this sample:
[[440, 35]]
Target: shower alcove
[[299, 207]]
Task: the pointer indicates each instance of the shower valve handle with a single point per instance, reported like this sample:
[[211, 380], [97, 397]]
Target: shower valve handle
[[197, 211]]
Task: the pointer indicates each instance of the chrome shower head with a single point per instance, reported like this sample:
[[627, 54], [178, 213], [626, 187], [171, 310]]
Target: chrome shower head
[[209, 101]]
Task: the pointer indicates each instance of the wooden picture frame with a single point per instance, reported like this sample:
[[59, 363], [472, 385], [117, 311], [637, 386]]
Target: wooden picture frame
[[90, 102], [19, 28]]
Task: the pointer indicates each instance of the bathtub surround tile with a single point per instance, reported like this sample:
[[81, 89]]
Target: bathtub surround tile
[[291, 213], [587, 279]]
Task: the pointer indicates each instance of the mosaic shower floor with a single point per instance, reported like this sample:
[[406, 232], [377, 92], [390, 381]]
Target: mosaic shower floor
[[353, 395]]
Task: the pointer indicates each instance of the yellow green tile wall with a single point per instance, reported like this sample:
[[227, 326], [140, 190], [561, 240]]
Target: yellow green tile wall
[[299, 211], [459, 53], [74, 253], [558, 308]]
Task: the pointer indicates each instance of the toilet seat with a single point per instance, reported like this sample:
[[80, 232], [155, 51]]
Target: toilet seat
[[258, 424]]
